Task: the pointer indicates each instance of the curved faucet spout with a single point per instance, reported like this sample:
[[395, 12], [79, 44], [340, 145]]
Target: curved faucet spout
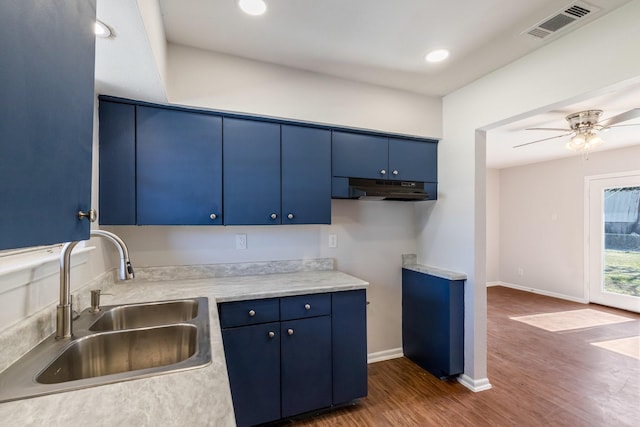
[[65, 309], [126, 270]]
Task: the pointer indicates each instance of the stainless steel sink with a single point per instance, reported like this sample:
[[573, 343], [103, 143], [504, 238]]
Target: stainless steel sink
[[122, 351], [144, 315], [119, 343]]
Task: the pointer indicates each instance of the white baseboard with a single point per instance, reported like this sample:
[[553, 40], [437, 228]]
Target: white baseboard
[[489, 284], [481, 384], [379, 356], [540, 292]]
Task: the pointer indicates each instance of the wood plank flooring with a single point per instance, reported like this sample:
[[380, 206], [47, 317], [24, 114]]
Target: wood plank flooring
[[539, 378]]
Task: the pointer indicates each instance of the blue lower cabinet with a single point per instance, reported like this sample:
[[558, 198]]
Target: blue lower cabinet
[[314, 357], [253, 363], [306, 365], [433, 322], [349, 345]]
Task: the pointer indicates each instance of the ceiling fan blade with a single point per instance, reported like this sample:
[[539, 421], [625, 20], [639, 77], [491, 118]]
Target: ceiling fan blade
[[622, 117], [540, 140], [554, 129], [622, 126]]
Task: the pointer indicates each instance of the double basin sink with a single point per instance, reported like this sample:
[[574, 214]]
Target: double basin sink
[[118, 343]]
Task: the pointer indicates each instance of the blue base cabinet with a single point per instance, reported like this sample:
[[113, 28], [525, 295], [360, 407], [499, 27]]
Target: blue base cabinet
[[288, 356], [433, 322]]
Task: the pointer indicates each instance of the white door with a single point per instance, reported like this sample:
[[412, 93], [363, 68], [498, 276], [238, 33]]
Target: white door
[[613, 240]]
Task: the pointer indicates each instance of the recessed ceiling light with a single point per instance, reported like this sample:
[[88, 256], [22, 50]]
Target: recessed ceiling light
[[253, 7], [437, 55], [101, 30]]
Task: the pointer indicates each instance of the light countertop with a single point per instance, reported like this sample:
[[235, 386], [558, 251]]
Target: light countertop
[[198, 397]]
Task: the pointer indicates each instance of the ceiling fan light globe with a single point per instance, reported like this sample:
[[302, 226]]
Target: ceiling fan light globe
[[594, 140]]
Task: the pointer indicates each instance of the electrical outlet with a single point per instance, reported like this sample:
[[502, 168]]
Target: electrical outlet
[[520, 271], [241, 241], [333, 241]]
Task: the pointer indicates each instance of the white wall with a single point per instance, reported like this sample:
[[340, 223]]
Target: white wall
[[493, 225], [542, 229], [223, 82], [453, 230]]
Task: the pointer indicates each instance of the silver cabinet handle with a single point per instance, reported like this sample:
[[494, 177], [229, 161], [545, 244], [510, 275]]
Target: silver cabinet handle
[[274, 216], [383, 172], [395, 172], [307, 306], [290, 216], [272, 334], [91, 215], [252, 313], [213, 216], [290, 331]]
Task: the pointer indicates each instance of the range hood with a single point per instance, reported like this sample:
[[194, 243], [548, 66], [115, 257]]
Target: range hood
[[378, 189]]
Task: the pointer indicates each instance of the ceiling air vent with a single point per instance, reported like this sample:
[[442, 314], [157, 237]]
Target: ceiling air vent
[[574, 12]]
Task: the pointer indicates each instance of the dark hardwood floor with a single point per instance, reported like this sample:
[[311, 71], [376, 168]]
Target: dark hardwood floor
[[539, 378]]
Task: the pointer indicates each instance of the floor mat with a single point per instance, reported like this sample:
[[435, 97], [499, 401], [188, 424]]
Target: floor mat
[[627, 346], [573, 319]]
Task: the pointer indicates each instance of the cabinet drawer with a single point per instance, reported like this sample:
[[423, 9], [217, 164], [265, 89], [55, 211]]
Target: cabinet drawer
[[242, 313], [302, 306]]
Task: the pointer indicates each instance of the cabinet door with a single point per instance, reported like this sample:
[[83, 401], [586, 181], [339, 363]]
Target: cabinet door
[[117, 163], [306, 365], [251, 172], [46, 120], [349, 327], [179, 160], [413, 160], [253, 364], [306, 175], [359, 156]]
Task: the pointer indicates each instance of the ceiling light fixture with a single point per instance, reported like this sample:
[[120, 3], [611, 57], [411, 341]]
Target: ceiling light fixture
[[253, 7], [584, 141], [101, 30], [437, 55]]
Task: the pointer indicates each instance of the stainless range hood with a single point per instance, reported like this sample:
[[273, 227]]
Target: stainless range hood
[[378, 189]]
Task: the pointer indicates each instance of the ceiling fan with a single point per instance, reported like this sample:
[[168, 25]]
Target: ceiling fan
[[584, 127]]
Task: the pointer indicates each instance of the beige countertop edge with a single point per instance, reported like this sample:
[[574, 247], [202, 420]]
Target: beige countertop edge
[[198, 396], [437, 272]]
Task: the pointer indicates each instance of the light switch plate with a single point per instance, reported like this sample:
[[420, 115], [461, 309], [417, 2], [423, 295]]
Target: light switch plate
[[333, 241]]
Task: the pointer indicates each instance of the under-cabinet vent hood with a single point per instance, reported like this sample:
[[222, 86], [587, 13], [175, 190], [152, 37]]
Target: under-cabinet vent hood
[[378, 189]]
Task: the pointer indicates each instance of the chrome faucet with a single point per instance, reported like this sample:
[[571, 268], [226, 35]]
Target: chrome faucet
[[65, 309]]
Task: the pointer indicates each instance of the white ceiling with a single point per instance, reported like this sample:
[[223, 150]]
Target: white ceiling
[[373, 41]]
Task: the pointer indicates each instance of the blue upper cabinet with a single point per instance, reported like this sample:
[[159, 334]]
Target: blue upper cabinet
[[413, 160], [251, 172], [46, 120], [179, 167], [306, 175], [359, 156], [117, 163]]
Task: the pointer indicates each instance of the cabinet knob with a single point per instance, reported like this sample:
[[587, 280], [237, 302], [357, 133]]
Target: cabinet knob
[[307, 306], [290, 216], [395, 172], [91, 215], [383, 172], [213, 216], [252, 313], [290, 331], [272, 334], [274, 216]]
